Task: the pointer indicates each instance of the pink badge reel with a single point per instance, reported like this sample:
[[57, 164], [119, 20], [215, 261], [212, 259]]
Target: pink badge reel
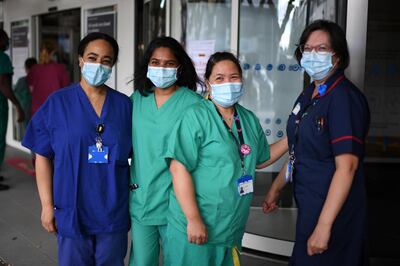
[[245, 149]]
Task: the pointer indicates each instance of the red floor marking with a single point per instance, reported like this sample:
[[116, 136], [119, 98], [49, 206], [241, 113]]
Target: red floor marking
[[21, 164]]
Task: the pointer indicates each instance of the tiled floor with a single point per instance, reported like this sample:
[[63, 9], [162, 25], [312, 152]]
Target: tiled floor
[[22, 239]]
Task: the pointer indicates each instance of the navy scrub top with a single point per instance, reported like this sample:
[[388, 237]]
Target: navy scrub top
[[332, 123], [88, 198]]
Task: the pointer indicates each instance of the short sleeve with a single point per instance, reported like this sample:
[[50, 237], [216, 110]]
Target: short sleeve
[[37, 135], [184, 142], [347, 120], [5, 64], [263, 147]]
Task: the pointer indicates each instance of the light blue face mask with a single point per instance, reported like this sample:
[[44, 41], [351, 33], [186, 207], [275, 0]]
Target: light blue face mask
[[226, 94], [162, 77], [96, 74], [317, 65]]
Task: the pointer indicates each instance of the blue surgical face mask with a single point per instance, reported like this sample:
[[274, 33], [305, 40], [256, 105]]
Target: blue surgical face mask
[[317, 65], [162, 77], [96, 74], [226, 94]]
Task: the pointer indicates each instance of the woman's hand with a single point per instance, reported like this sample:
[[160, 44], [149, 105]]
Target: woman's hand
[[20, 114], [318, 241], [271, 201], [48, 221], [197, 232]]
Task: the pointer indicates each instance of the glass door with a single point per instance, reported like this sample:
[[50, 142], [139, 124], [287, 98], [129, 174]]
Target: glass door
[[268, 33], [150, 21], [203, 27]]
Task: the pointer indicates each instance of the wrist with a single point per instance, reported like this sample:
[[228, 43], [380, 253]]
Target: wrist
[[323, 223], [47, 206], [194, 219]]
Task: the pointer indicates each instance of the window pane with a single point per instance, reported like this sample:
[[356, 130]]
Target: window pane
[[269, 31], [203, 27]]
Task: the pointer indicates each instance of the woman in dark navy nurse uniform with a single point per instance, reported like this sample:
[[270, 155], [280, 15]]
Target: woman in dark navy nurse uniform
[[326, 133], [82, 139]]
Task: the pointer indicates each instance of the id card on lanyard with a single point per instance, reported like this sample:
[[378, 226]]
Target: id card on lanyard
[[245, 182], [98, 153], [300, 114]]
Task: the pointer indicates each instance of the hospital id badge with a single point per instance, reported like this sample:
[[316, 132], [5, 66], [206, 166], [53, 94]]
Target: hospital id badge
[[97, 155], [289, 171], [245, 185]]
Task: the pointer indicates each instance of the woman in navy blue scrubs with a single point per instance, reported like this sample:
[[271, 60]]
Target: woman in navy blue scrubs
[[82, 138], [326, 133]]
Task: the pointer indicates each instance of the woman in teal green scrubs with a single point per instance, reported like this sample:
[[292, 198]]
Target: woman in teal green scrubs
[[213, 153], [165, 86], [6, 93]]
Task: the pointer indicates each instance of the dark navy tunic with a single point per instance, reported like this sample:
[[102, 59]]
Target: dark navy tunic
[[330, 124], [89, 198]]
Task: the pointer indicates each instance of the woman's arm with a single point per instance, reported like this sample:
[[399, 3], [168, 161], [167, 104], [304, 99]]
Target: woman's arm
[[346, 166], [277, 149], [271, 198], [5, 89], [185, 194], [44, 179]]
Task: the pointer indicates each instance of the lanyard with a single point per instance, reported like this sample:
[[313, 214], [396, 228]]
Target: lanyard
[[99, 141], [299, 117], [303, 113], [240, 144]]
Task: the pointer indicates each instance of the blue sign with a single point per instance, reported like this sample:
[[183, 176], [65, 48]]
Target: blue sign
[[257, 67], [270, 67]]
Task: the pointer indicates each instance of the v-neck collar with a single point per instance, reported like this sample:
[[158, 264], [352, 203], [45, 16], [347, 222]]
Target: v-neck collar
[[89, 106], [330, 84], [168, 102]]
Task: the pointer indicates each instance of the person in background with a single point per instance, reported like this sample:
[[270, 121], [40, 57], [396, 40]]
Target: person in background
[[6, 93], [46, 77], [326, 133], [213, 152], [82, 139], [165, 86], [22, 91]]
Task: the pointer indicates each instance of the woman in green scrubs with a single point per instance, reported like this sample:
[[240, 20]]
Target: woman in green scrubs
[[6, 93], [213, 153], [165, 87]]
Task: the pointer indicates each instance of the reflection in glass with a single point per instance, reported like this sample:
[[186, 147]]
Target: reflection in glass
[[273, 78], [203, 28], [150, 21], [269, 31]]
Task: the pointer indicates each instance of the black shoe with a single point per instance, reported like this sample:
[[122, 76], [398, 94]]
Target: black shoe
[[4, 187], [1, 178]]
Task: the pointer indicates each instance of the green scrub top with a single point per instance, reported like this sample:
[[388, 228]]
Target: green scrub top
[[149, 170], [23, 94], [203, 144], [5, 68]]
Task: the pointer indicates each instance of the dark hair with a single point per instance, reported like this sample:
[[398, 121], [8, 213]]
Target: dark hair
[[187, 75], [30, 62], [93, 36], [4, 40], [337, 40], [218, 57]]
